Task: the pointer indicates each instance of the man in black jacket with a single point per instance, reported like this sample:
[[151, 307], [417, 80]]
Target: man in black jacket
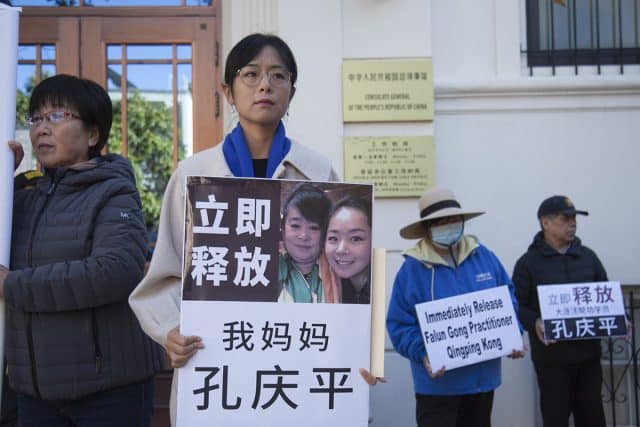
[[569, 372]]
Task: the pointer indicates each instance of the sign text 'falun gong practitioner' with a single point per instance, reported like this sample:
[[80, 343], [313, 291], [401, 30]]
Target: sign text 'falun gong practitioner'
[[387, 90], [580, 311], [273, 351], [469, 328]]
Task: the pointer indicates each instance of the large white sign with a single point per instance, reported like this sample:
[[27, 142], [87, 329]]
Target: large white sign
[[8, 69], [469, 328], [579, 311], [282, 347], [278, 364]]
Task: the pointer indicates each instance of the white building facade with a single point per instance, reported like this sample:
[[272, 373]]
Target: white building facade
[[505, 139]]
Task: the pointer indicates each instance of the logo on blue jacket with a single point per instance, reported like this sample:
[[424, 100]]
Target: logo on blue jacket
[[483, 277]]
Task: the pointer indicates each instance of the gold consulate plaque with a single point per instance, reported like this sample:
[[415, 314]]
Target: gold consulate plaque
[[387, 90], [398, 166]]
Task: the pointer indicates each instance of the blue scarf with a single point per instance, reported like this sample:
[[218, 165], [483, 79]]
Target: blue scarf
[[236, 152]]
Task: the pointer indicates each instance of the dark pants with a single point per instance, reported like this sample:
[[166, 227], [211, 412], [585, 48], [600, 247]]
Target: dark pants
[[466, 410], [128, 406], [9, 413], [566, 389]]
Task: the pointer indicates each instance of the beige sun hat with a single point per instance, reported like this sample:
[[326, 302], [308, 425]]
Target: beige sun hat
[[435, 203]]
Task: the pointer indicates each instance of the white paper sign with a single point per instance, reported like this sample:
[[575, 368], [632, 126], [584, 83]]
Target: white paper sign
[[8, 69], [579, 311], [274, 364], [281, 347], [469, 328]]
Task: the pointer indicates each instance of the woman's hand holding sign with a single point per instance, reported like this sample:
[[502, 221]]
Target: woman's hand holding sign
[[181, 348], [440, 372], [519, 354], [18, 153], [370, 378]]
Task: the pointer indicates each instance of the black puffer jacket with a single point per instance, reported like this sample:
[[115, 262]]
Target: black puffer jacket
[[543, 265], [78, 250]]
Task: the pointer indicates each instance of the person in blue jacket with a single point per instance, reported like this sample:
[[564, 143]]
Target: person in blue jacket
[[444, 263]]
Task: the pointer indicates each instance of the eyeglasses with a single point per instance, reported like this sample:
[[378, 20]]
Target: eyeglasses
[[252, 76], [53, 117]]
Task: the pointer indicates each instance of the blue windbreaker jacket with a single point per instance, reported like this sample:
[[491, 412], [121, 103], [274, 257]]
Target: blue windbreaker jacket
[[425, 276]]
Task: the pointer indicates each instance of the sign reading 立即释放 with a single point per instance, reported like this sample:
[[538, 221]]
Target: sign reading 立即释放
[[580, 311]]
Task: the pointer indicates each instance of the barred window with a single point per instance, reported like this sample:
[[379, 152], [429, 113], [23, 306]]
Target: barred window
[[582, 32]]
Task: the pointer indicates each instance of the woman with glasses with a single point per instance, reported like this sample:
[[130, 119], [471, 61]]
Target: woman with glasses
[[75, 353], [259, 83]]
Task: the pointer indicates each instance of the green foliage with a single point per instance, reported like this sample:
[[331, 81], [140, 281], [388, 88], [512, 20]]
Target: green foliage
[[150, 149], [22, 110], [22, 107], [22, 99]]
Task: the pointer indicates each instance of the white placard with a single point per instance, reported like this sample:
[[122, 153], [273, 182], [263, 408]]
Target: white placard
[[267, 359], [469, 328], [579, 311], [8, 83], [294, 338]]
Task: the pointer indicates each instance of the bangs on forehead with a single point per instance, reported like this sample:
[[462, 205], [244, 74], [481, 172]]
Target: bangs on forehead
[[54, 97], [272, 67]]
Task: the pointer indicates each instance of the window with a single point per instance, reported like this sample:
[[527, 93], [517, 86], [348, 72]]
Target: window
[[582, 32]]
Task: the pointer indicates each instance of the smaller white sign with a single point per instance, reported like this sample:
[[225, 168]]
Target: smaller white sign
[[581, 311], [469, 328]]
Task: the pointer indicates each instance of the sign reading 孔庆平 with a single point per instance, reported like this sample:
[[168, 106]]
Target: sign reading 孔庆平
[[580, 311], [469, 328], [264, 266]]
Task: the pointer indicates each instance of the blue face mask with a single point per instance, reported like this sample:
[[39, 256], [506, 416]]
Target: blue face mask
[[447, 235]]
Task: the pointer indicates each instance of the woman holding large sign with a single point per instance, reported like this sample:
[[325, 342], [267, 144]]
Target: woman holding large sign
[[446, 263], [259, 83], [74, 350]]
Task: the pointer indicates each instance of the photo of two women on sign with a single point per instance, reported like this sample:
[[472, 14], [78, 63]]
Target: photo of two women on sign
[[322, 241]]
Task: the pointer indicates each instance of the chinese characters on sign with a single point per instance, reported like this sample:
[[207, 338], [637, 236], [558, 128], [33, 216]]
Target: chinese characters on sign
[[398, 166], [330, 381], [469, 328], [581, 311], [233, 243], [269, 359], [389, 90]]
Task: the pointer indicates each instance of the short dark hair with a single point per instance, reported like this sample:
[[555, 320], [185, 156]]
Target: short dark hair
[[353, 202], [87, 97], [249, 47], [312, 203]]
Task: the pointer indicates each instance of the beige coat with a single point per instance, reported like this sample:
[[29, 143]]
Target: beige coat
[[156, 299]]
